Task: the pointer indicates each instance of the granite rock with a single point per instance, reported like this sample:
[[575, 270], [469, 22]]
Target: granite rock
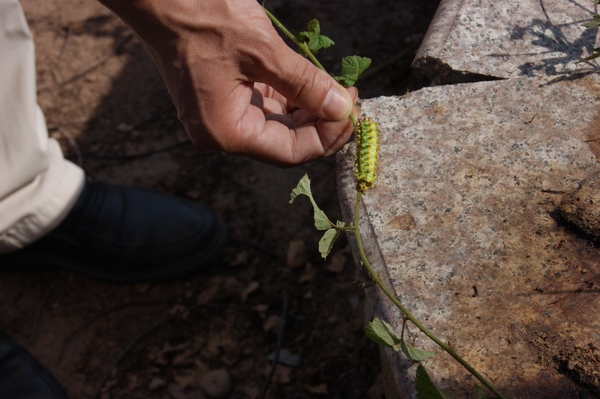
[[472, 40], [464, 224]]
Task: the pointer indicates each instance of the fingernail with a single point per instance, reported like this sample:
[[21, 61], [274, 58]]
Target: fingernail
[[337, 104]]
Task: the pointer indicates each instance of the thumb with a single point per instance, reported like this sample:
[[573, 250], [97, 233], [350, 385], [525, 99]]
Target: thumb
[[308, 87]]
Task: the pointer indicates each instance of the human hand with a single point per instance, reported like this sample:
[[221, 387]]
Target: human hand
[[237, 86]]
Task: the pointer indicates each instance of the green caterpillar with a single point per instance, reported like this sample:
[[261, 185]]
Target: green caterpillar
[[367, 150]]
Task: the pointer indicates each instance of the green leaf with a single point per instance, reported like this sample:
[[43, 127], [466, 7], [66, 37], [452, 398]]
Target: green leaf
[[425, 387], [352, 67], [595, 54], [415, 354], [304, 37], [382, 333], [313, 38], [326, 242], [319, 42], [303, 188], [593, 23], [313, 27]]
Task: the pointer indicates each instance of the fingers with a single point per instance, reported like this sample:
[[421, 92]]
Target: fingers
[[308, 87], [281, 146], [290, 139]]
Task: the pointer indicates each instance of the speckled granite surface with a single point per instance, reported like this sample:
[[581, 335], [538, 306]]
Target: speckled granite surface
[[464, 223], [506, 39]]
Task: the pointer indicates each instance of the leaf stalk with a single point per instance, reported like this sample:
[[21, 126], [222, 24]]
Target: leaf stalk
[[302, 46], [355, 229]]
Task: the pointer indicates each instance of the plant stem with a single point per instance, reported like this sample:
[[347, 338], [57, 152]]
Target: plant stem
[[303, 47], [305, 50], [353, 120], [404, 310]]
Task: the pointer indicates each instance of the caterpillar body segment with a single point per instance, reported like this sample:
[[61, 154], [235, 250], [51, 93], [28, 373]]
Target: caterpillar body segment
[[367, 150]]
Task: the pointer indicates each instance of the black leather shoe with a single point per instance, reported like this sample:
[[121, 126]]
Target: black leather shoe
[[127, 234], [22, 377]]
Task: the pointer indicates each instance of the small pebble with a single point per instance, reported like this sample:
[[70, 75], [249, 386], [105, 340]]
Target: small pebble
[[156, 383], [216, 383], [286, 358], [296, 255]]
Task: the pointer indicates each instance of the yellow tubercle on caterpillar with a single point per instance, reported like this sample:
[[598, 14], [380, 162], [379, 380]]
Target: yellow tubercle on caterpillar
[[367, 150]]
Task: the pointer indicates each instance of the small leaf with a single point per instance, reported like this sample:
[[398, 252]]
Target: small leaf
[[304, 37], [355, 64], [352, 67], [321, 220], [425, 387], [319, 42], [594, 23], [313, 38], [326, 242], [314, 27], [595, 54], [382, 333], [415, 354], [303, 188]]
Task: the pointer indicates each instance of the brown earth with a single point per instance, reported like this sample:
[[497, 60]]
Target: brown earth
[[106, 104]]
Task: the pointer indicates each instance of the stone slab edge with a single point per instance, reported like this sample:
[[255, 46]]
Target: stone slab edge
[[403, 373]]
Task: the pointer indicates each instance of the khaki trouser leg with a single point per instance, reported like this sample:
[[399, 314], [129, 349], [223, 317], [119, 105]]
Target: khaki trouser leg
[[38, 186]]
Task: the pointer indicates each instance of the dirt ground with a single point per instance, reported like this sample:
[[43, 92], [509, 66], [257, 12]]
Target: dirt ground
[[106, 104]]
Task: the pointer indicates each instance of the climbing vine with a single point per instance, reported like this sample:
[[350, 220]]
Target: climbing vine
[[367, 132]]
